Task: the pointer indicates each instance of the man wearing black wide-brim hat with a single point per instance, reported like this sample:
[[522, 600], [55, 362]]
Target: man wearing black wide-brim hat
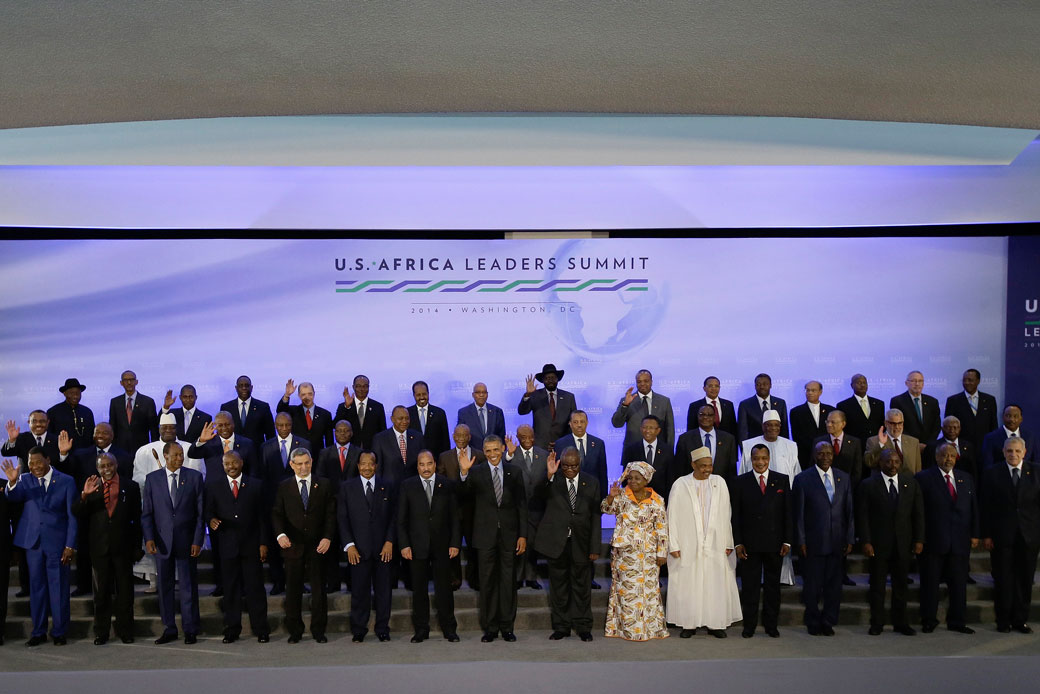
[[71, 416], [551, 407]]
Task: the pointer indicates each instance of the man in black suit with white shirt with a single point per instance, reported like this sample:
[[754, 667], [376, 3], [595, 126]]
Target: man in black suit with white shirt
[[749, 411], [429, 420], [189, 419], [366, 416], [723, 416], [309, 421], [132, 416], [808, 422], [722, 445], [976, 411], [921, 411], [864, 415], [252, 417]]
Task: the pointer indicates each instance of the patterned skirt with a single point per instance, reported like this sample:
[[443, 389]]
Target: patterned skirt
[[634, 610]]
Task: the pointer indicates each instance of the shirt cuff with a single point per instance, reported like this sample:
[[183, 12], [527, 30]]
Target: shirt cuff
[[280, 536], [347, 546], [463, 476]]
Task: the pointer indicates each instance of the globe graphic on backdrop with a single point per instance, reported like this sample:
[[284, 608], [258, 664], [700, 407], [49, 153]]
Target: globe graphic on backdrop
[[597, 324]]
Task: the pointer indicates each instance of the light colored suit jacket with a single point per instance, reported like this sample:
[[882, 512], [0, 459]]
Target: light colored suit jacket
[[911, 454]]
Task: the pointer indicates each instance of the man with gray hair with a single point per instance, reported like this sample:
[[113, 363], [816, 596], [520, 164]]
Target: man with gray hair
[[952, 433], [308, 420], [891, 436], [921, 410]]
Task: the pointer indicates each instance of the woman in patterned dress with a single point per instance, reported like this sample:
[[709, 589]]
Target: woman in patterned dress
[[638, 550]]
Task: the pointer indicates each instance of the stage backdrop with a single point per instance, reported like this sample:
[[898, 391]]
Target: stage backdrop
[[455, 312]]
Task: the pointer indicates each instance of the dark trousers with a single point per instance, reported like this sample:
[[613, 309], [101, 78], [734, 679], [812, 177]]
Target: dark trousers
[[760, 574], [334, 571], [439, 568], [114, 594], [472, 573], [48, 591], [214, 554], [276, 565], [570, 590], [497, 585], [1013, 567], [527, 565], [933, 568], [897, 566], [821, 579], [84, 562], [186, 593], [5, 578], [368, 576], [313, 565], [243, 575]]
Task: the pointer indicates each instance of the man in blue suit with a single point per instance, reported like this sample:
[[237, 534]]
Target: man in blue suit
[[592, 449], [749, 411], [172, 520], [482, 417], [951, 531], [993, 442], [823, 532], [47, 533]]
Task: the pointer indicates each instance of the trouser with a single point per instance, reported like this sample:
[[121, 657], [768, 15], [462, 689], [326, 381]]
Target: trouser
[[497, 585], [48, 591], [527, 565], [84, 562], [821, 579], [895, 565], [1013, 567], [214, 555], [313, 565], [439, 568], [334, 571], [186, 593], [114, 595], [760, 574], [934, 568], [570, 590], [5, 578], [243, 575], [368, 576]]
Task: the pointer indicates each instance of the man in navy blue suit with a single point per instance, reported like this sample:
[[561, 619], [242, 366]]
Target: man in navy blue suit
[[993, 442], [823, 531], [251, 417], [47, 533], [591, 448], [394, 466], [951, 531], [367, 527], [482, 417], [188, 418], [749, 410], [172, 520]]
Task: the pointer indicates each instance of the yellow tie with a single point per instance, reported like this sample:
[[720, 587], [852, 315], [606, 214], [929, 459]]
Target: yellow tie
[[227, 445]]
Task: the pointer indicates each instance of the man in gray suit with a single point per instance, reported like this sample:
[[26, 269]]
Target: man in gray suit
[[636, 405], [550, 407], [532, 461]]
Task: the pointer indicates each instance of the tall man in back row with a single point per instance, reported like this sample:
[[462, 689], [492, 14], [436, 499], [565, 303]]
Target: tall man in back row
[[550, 407], [640, 402]]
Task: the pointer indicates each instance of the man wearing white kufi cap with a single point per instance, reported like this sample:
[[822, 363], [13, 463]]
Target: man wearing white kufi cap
[[702, 580]]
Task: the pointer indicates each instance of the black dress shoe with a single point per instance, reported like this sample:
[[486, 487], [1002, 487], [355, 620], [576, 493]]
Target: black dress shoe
[[718, 633], [557, 635], [229, 639], [36, 641], [190, 639], [277, 589], [217, 592], [846, 581], [747, 633], [419, 638], [971, 581], [814, 631], [585, 635], [961, 629], [60, 641], [322, 638], [508, 636], [1005, 629], [455, 585], [383, 638], [358, 638], [1023, 628], [263, 638], [22, 594], [874, 631], [166, 638], [488, 637], [79, 593], [687, 633], [827, 630], [533, 584], [773, 633], [928, 628], [595, 586], [127, 639], [905, 630], [294, 638], [100, 640], [452, 637]]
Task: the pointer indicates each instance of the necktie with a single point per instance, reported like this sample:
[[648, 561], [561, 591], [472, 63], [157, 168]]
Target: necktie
[[552, 406], [893, 495], [368, 491], [707, 443], [715, 407], [429, 492], [403, 446], [527, 460], [99, 452], [243, 417], [1014, 435], [949, 485], [917, 406], [342, 458], [310, 420], [173, 488], [864, 405], [234, 488], [974, 402], [43, 483], [837, 445], [110, 502], [898, 449], [496, 479], [572, 493], [828, 486], [483, 422], [361, 415], [303, 493], [227, 445], [422, 420], [762, 483], [39, 441], [646, 404], [649, 454], [129, 409], [285, 455], [765, 405], [581, 448], [1014, 477]]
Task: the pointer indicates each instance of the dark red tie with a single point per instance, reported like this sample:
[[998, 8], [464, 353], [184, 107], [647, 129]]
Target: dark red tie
[[234, 488], [837, 445], [762, 483], [717, 418], [949, 485], [342, 459], [309, 420], [552, 407]]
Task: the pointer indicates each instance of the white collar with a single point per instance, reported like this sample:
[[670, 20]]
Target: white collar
[[893, 478], [652, 444], [1016, 432], [306, 479], [969, 396], [230, 480]]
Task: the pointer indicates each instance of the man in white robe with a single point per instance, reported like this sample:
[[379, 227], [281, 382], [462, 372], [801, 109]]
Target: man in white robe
[[783, 458], [702, 580]]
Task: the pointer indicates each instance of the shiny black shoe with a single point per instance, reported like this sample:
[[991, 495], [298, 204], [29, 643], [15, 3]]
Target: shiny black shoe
[[263, 638], [383, 638], [36, 641], [508, 636], [585, 636], [100, 640], [1004, 628], [190, 639], [452, 637], [557, 635], [168, 637], [961, 629], [419, 637], [773, 633], [22, 593], [60, 641], [294, 638], [687, 633], [718, 633], [322, 638], [747, 634], [358, 638], [533, 584], [229, 638], [488, 637], [1023, 628], [827, 630], [127, 639], [928, 628], [905, 630]]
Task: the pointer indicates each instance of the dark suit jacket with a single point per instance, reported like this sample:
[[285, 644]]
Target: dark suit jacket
[[804, 430], [120, 535], [725, 464], [666, 467], [375, 421], [948, 525], [82, 463], [547, 429], [270, 469], [749, 418], [631, 417], [967, 461], [259, 424], [824, 526], [727, 418], [885, 527], [1007, 509], [305, 528], [243, 521], [584, 522], [141, 429], [974, 425], [496, 422], [329, 468], [212, 454], [389, 464], [849, 459], [532, 478], [490, 519], [47, 521], [595, 460], [174, 530], [367, 526], [436, 435], [321, 432], [26, 442], [448, 463], [428, 529], [856, 424], [926, 429], [761, 522], [993, 446], [5, 527], [62, 419], [194, 430]]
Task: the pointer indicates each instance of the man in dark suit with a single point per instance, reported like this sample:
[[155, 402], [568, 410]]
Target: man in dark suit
[[189, 420], [47, 532], [132, 416], [499, 534], [550, 407], [531, 460], [967, 458], [481, 417], [639, 402], [303, 521], [366, 416], [762, 534], [848, 451], [69, 415], [591, 448], [975, 410], [723, 417], [275, 469], [5, 555], [172, 521], [367, 513], [1010, 495], [569, 535], [234, 512], [429, 420], [337, 463], [749, 411], [393, 464], [110, 508], [448, 466], [252, 417], [993, 442], [809, 422], [654, 452], [722, 445], [308, 420], [890, 525], [429, 536], [951, 531], [921, 411], [823, 530], [864, 415]]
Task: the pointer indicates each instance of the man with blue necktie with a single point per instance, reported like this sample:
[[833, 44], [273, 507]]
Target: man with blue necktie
[[275, 469]]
